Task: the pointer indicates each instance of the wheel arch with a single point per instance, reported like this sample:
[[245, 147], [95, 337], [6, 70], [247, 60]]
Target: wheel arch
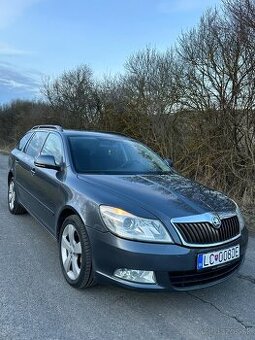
[[66, 212], [10, 175]]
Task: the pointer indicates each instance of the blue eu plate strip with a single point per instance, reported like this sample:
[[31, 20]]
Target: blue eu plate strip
[[200, 261]]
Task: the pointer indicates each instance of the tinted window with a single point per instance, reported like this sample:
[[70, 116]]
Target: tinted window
[[24, 141], [105, 155], [35, 145], [53, 147]]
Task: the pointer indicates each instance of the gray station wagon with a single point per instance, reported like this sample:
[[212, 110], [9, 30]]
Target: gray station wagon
[[121, 214]]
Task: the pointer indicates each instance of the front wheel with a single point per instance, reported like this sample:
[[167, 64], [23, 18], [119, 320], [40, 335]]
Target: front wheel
[[13, 204], [75, 253]]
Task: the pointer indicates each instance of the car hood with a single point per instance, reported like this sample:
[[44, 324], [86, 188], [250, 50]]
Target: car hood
[[172, 195]]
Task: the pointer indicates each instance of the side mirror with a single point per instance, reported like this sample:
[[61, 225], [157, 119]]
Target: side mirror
[[169, 162], [47, 162]]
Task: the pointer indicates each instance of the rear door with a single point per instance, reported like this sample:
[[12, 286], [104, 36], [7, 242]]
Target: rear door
[[16, 157], [25, 172]]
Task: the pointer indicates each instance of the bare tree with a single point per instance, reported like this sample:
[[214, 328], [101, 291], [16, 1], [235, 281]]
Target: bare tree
[[243, 11], [219, 89], [74, 96], [150, 81]]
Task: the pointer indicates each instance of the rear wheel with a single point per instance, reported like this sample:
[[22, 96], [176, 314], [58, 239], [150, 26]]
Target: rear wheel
[[14, 206], [75, 253]]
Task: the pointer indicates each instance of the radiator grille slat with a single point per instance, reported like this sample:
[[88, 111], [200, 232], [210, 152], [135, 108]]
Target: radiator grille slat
[[205, 233]]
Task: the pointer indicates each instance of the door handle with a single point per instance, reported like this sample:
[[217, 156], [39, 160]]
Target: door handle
[[32, 171]]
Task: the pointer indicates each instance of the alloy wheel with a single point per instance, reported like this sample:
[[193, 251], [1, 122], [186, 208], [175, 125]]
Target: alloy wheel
[[11, 195], [71, 252]]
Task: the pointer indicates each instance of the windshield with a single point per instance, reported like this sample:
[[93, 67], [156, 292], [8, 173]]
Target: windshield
[[114, 156]]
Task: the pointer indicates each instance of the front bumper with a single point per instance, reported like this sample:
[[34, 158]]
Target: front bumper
[[174, 265]]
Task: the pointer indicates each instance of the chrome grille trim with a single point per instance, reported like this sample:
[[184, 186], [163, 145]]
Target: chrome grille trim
[[204, 220]]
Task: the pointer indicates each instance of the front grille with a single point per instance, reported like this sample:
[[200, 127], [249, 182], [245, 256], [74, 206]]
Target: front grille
[[205, 233], [195, 278]]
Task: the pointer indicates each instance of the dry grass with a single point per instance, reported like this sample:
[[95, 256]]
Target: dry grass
[[250, 221], [5, 148], [5, 151]]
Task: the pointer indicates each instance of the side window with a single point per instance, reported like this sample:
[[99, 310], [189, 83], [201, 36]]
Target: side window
[[24, 141], [53, 147], [35, 145]]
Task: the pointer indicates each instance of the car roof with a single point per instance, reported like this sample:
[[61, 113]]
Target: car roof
[[95, 134], [69, 132]]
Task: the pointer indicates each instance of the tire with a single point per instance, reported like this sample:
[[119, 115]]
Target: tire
[[15, 207], [75, 253]]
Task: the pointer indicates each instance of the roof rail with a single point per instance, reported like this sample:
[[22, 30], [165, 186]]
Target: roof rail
[[111, 133], [54, 127]]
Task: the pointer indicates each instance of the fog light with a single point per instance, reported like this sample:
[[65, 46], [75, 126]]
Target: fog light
[[134, 275]]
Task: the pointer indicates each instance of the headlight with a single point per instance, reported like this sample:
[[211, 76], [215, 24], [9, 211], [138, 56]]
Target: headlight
[[240, 216], [132, 227]]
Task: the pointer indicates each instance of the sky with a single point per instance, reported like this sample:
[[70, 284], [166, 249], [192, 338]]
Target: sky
[[43, 38]]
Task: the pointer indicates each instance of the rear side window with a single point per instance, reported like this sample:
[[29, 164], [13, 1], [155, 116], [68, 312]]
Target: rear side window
[[36, 143], [53, 147], [22, 143]]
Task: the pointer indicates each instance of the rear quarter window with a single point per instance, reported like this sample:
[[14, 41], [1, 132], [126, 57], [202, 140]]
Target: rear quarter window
[[22, 143]]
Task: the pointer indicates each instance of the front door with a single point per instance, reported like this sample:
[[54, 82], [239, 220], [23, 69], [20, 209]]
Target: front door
[[48, 182]]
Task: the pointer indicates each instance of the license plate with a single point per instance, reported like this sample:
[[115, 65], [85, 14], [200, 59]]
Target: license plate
[[218, 257]]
